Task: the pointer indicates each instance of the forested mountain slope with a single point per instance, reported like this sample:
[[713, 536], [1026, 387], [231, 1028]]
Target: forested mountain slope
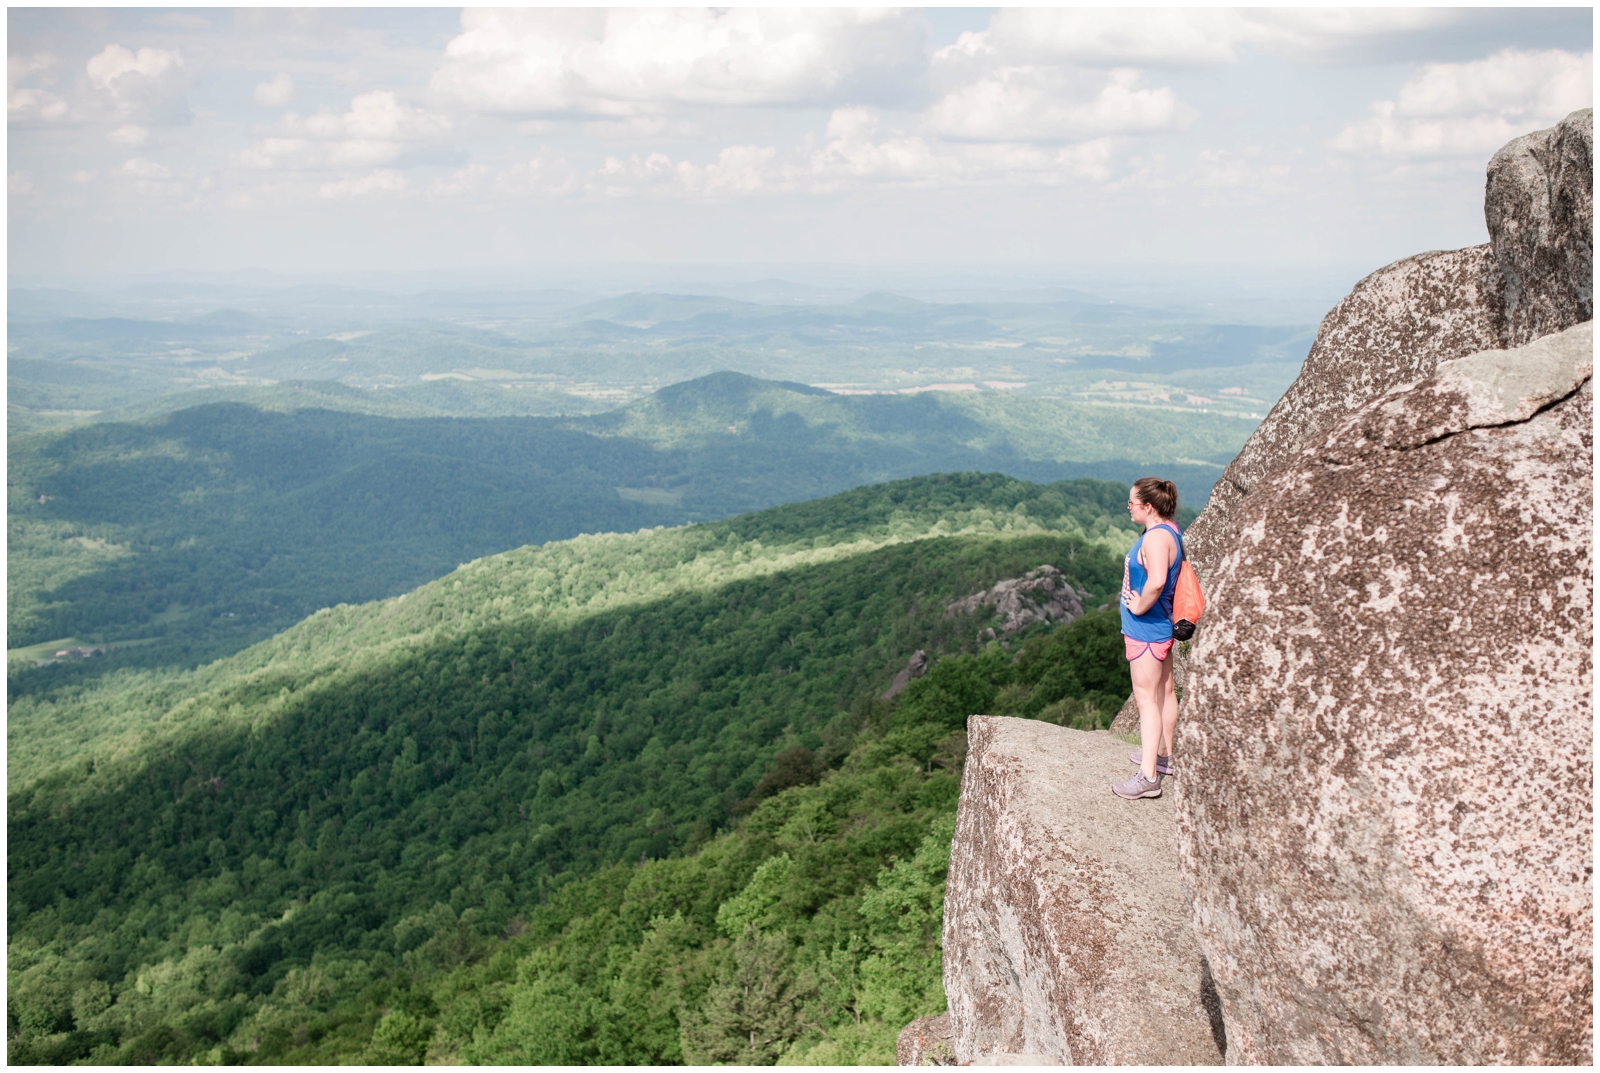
[[185, 537], [483, 818], [555, 583]]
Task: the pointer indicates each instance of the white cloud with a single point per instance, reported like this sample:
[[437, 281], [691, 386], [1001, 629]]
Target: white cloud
[[31, 103], [1113, 36], [275, 92], [375, 130], [372, 117], [467, 180], [19, 184], [35, 104], [1512, 83], [80, 177], [549, 173], [383, 181], [1052, 104], [618, 177], [109, 70], [1324, 35], [139, 168], [855, 153], [628, 61], [311, 153], [1470, 109], [149, 178], [632, 128], [1226, 169], [738, 169], [19, 67], [1185, 37], [858, 153], [130, 134], [144, 87]]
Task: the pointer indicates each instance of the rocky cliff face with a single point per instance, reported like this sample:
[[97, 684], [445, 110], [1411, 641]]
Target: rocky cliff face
[[1066, 938], [1535, 277], [1539, 205], [1385, 808], [1386, 739], [1384, 802]]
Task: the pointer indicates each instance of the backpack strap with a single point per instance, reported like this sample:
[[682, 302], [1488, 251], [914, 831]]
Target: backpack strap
[[1176, 536]]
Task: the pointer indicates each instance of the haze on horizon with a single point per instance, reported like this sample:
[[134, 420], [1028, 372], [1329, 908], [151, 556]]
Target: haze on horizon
[[1029, 146]]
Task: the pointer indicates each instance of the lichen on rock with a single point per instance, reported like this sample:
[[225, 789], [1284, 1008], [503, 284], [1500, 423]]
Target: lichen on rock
[[1396, 326], [1385, 811], [925, 1042]]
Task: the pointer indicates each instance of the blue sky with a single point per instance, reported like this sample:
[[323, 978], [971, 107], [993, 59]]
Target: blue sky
[[441, 140]]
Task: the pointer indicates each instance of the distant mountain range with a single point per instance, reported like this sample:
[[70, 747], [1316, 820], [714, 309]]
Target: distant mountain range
[[373, 701], [197, 532], [560, 351]]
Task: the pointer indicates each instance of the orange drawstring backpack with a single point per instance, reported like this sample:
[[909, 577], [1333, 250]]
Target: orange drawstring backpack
[[1188, 603]]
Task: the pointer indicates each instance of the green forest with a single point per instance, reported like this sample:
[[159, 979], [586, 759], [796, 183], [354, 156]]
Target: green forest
[[630, 798], [178, 539], [67, 710]]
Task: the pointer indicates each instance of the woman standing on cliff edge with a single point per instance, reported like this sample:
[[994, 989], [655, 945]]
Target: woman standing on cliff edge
[[1149, 578]]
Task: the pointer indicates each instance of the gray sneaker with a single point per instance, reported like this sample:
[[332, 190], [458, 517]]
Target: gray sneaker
[[1138, 786], [1163, 763]]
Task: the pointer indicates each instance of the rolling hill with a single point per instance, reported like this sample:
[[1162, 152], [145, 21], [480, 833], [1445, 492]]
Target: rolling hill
[[499, 818], [180, 538], [82, 357]]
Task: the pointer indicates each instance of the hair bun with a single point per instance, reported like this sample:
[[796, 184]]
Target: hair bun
[[1157, 493]]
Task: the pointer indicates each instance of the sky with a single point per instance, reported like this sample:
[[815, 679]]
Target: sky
[[1030, 142]]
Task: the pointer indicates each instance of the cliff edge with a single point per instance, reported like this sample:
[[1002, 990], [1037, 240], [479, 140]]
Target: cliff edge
[[1067, 939], [1386, 738], [1384, 810]]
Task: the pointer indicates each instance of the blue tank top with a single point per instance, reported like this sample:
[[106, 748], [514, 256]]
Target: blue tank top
[[1156, 623]]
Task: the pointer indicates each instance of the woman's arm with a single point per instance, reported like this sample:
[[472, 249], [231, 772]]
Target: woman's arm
[[1158, 551]]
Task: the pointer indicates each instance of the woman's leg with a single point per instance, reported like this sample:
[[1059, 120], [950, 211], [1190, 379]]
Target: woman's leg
[[1169, 706], [1152, 679]]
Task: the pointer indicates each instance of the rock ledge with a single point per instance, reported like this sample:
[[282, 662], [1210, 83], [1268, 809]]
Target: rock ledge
[[1067, 938]]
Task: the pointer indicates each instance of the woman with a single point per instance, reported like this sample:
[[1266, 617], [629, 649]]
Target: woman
[[1149, 577]]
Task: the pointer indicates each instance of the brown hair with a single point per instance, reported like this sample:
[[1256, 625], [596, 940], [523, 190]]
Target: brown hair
[[1158, 494]]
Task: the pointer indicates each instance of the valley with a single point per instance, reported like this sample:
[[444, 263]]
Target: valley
[[490, 677], [204, 530], [556, 805]]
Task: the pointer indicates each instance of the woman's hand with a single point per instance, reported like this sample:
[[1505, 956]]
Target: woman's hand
[[1156, 555]]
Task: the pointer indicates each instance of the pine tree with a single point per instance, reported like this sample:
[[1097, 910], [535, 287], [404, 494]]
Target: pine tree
[[748, 1017]]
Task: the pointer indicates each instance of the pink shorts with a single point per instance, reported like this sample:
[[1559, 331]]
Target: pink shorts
[[1159, 649]]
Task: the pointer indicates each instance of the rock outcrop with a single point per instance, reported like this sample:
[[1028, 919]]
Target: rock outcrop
[[1067, 939], [1041, 595], [1394, 327], [1535, 277], [925, 1042], [1539, 205], [915, 667], [1385, 809]]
